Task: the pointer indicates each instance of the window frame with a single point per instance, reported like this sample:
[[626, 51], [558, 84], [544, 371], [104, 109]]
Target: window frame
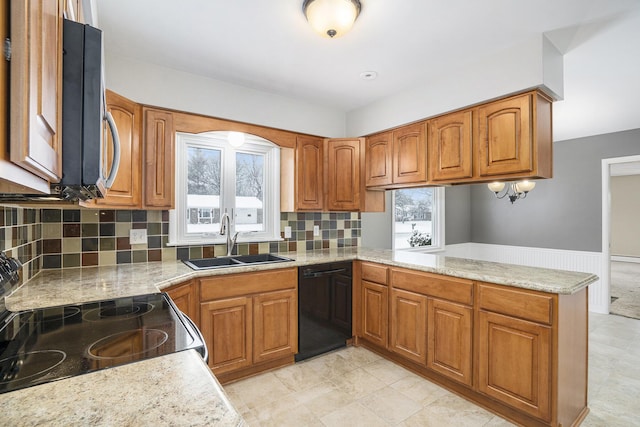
[[437, 223], [271, 195]]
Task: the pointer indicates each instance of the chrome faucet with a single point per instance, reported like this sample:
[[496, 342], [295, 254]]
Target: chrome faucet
[[225, 224]]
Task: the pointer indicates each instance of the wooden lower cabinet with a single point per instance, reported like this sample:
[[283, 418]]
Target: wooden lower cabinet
[[450, 340], [275, 332], [249, 321], [409, 325], [375, 313], [228, 330], [519, 353], [185, 297], [514, 363]]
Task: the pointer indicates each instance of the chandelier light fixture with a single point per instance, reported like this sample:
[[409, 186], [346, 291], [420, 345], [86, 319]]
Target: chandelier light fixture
[[331, 18], [514, 190]]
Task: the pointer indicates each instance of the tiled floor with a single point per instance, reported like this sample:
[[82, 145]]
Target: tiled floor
[[625, 289], [355, 387]]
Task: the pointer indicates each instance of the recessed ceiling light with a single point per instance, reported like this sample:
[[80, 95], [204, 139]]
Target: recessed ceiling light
[[368, 75]]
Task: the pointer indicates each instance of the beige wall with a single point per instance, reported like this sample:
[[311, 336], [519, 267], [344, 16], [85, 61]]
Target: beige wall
[[625, 215]]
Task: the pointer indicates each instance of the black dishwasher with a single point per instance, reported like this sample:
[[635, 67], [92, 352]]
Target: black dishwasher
[[324, 308]]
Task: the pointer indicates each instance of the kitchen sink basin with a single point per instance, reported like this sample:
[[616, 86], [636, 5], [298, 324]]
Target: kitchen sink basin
[[252, 259], [234, 261]]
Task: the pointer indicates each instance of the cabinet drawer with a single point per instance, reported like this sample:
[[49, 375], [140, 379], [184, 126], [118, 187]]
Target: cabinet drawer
[[241, 284], [374, 273], [448, 288], [529, 305]]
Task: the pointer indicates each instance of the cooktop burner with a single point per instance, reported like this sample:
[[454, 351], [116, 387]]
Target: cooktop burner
[[117, 312], [43, 345], [128, 345], [34, 364]]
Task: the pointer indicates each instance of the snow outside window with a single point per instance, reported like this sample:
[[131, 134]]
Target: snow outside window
[[418, 219]]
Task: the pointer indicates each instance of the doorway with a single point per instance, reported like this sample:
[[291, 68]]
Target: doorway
[[620, 249]]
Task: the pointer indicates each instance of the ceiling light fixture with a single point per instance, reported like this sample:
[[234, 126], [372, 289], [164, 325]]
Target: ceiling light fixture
[[235, 139], [515, 190], [331, 18]]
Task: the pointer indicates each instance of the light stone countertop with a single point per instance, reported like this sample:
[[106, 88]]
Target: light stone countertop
[[76, 285], [179, 389], [184, 394]]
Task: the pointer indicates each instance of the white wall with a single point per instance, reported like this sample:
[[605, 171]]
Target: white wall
[[154, 85], [535, 63]]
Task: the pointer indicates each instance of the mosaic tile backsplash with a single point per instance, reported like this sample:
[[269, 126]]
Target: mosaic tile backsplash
[[73, 237], [20, 237]]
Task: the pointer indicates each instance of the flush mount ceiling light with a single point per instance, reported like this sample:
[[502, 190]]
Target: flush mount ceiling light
[[235, 139], [515, 190], [331, 18]]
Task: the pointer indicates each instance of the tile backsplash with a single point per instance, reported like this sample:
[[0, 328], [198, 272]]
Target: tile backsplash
[[73, 237], [20, 237]]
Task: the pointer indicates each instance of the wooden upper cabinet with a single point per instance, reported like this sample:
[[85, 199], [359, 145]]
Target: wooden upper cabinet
[[343, 175], [126, 191], [514, 137], [159, 162], [450, 147], [36, 87], [309, 170], [410, 154], [74, 10], [379, 163]]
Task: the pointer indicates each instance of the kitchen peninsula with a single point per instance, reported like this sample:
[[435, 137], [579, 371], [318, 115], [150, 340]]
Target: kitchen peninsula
[[495, 292]]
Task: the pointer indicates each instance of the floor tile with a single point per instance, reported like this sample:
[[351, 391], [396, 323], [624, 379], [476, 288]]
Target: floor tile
[[356, 387], [390, 405], [353, 415]]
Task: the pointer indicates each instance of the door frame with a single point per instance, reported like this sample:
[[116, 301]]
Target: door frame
[[606, 222]]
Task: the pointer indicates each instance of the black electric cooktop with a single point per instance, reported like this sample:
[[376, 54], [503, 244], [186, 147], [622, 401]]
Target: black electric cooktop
[[49, 344]]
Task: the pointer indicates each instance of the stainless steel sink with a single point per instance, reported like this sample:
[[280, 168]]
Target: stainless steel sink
[[234, 261]]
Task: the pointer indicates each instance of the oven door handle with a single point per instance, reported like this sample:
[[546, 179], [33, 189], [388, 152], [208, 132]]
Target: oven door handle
[[205, 354]]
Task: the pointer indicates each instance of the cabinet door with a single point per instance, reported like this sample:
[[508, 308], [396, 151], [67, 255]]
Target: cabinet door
[[343, 175], [126, 190], [378, 159], [449, 342], [158, 159], [450, 147], [514, 363], [375, 313], [275, 331], [36, 87], [505, 136], [185, 297], [410, 154], [227, 329], [309, 173], [409, 325]]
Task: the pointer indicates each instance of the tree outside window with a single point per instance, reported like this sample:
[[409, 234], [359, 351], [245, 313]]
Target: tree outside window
[[413, 217]]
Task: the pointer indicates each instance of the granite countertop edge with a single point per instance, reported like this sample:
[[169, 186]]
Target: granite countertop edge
[[85, 284]]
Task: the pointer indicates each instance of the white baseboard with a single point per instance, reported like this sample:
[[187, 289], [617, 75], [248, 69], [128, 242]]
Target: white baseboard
[[587, 262], [625, 258]]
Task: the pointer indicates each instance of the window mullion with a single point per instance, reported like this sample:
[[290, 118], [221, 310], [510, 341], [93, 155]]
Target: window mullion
[[228, 186]]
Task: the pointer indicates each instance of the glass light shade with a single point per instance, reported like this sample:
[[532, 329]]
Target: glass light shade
[[496, 187], [236, 139], [525, 186], [331, 18]]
